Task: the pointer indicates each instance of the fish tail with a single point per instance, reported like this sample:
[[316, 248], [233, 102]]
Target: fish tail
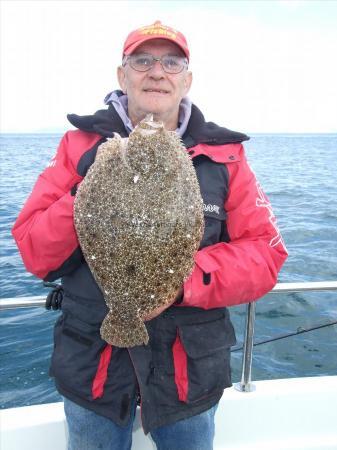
[[123, 332]]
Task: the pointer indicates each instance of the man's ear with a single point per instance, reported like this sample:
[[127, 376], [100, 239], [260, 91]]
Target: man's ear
[[121, 78], [188, 81]]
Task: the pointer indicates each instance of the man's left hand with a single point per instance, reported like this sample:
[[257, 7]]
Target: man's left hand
[[161, 309]]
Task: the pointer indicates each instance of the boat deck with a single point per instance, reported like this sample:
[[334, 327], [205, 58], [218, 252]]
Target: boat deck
[[284, 414]]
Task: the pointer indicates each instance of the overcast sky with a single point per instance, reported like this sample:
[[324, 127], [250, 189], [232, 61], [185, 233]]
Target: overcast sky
[[258, 66]]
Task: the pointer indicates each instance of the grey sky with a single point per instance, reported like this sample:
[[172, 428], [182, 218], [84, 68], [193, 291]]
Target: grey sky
[[259, 66]]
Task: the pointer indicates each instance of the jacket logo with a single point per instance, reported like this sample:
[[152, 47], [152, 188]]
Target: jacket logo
[[212, 208], [263, 202], [52, 162]]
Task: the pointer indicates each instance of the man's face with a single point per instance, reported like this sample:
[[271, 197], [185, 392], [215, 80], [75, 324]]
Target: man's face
[[155, 91]]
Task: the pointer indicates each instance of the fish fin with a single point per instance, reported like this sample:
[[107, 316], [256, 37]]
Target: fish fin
[[123, 333]]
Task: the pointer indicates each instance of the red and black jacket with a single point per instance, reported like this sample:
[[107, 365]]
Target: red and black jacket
[[185, 367]]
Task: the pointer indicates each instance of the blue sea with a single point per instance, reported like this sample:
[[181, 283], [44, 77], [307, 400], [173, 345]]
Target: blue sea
[[298, 173]]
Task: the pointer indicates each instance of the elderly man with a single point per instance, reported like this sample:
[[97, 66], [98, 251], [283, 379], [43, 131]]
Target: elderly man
[[179, 377]]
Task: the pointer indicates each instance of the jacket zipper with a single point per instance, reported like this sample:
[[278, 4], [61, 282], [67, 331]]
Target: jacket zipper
[[139, 391]]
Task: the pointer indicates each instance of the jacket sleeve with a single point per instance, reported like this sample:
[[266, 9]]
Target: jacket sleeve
[[44, 230], [246, 268]]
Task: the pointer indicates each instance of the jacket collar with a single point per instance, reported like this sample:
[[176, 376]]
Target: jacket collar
[[201, 132], [106, 122]]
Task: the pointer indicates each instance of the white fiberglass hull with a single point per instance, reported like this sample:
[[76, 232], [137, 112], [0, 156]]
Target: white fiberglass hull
[[288, 414]]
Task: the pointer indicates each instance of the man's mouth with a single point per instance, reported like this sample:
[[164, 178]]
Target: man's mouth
[[157, 91]]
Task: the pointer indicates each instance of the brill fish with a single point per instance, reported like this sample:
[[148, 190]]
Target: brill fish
[[138, 215]]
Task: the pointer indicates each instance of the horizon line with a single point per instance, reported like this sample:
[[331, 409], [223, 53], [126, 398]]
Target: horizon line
[[246, 132]]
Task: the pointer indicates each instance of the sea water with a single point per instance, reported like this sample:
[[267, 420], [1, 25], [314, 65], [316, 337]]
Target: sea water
[[298, 173]]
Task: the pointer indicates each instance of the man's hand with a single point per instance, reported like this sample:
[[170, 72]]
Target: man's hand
[[161, 309]]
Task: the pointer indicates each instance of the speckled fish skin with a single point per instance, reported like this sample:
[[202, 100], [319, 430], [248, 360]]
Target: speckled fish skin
[[139, 219]]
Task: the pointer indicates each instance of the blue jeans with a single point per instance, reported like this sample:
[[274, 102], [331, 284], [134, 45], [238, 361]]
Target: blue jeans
[[90, 431]]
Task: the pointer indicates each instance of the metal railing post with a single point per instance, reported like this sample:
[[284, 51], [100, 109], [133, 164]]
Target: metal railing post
[[245, 384], [22, 302]]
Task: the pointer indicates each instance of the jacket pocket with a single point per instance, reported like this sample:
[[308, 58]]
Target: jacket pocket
[[201, 357], [77, 354]]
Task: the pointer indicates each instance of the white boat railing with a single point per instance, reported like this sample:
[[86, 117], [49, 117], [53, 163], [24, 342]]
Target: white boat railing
[[245, 384]]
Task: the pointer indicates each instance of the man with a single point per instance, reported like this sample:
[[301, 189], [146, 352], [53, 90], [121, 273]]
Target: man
[[179, 377]]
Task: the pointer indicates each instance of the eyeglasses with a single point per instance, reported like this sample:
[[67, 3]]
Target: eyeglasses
[[143, 62]]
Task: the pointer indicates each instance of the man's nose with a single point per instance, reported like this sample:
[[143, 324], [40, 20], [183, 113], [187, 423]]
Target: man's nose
[[157, 70]]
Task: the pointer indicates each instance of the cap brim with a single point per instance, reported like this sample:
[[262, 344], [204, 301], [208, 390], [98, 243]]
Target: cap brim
[[135, 45]]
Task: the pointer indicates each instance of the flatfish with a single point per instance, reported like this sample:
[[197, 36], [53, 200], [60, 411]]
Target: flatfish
[[138, 215]]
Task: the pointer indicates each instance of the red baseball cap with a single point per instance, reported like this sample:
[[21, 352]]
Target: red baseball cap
[[155, 31]]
